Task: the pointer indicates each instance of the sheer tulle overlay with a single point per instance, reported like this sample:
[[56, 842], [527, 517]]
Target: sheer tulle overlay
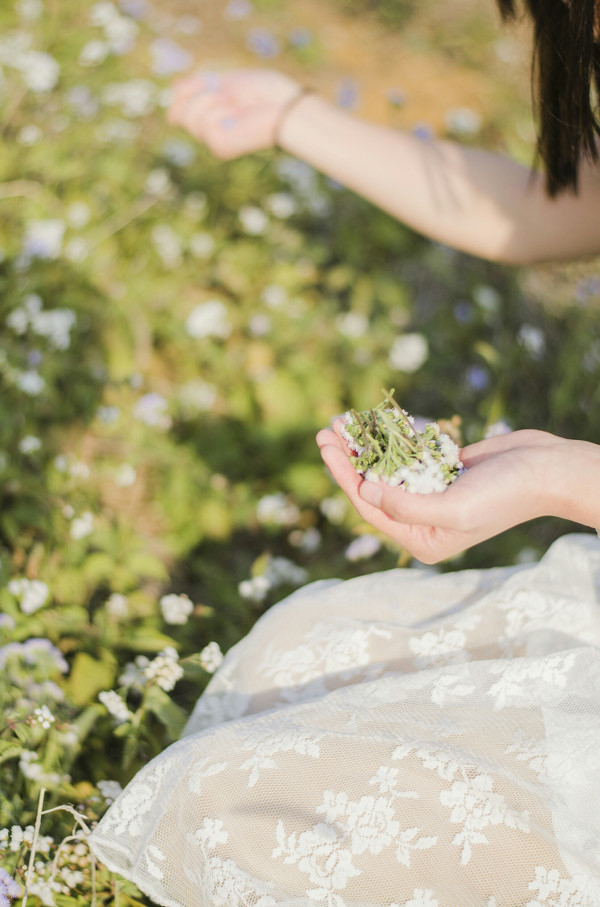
[[405, 739]]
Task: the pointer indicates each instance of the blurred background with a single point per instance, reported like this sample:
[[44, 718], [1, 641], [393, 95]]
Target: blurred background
[[176, 329]]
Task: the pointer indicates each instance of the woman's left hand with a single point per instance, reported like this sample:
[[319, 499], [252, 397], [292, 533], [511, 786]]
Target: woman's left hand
[[509, 479]]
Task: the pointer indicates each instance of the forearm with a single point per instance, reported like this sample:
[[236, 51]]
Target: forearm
[[475, 201]]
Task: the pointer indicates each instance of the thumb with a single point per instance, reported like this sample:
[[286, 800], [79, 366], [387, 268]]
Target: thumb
[[436, 509]]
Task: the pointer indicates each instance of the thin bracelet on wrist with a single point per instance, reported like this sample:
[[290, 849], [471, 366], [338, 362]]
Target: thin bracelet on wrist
[[286, 110]]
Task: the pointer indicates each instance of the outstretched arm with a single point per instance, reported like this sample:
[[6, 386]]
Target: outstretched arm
[[509, 480], [476, 201]]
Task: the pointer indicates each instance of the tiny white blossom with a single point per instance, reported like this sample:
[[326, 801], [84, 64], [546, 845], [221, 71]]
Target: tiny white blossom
[[281, 205], [211, 657], [29, 135], [409, 352], [32, 594], [115, 706], [43, 238], [126, 476], [29, 444], [334, 509], [254, 589], [274, 295], [209, 319], [30, 9], [164, 669], [40, 71], [463, 121], [78, 214], [362, 547], [254, 221], [110, 790], [82, 526], [117, 605], [202, 245], [30, 382], [352, 324], [93, 53], [77, 249], [152, 410], [158, 182], [176, 608], [277, 509], [44, 717], [167, 244]]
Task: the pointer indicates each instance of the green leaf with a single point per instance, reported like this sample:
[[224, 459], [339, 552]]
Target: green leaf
[[89, 676], [168, 713]]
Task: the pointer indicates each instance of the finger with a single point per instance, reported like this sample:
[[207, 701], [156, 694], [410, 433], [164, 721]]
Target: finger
[[447, 509]]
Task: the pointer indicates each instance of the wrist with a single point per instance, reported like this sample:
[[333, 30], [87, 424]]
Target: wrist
[[574, 480], [306, 115]]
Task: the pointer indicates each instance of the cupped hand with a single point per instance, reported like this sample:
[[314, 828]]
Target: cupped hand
[[508, 481], [235, 112]]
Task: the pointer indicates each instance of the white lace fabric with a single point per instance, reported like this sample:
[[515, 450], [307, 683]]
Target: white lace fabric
[[404, 739]]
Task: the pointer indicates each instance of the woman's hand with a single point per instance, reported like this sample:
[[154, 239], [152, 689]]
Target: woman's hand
[[509, 479], [235, 112]]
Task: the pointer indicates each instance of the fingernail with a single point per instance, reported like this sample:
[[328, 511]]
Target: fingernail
[[228, 122], [371, 493], [212, 81]]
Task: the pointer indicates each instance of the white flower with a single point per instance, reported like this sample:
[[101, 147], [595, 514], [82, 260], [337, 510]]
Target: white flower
[[197, 396], [462, 121], [202, 245], [308, 540], [29, 135], [274, 295], [168, 245], [363, 547], [409, 352], [77, 249], [259, 324], [532, 339], [30, 9], [195, 204], [93, 53], [78, 215], [135, 98], [32, 594], [152, 410], [125, 476], [164, 669], [29, 444], [30, 382], [334, 509], [487, 298], [82, 526], [211, 657], [282, 205], [254, 589], [282, 570], [40, 71], [115, 706], [117, 605], [110, 790], [44, 717], [176, 608], [352, 324], [277, 509], [43, 238], [497, 428], [254, 221], [209, 319]]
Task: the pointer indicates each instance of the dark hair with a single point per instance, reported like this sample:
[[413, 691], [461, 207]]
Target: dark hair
[[565, 78]]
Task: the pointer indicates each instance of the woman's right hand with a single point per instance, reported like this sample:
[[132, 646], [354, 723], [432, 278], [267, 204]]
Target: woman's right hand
[[235, 112]]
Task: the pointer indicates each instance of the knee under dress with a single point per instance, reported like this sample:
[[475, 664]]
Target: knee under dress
[[405, 739]]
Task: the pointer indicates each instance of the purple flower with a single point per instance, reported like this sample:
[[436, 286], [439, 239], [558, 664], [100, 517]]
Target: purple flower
[[347, 94], [8, 888], [395, 97], [137, 9], [237, 9], [587, 288], [300, 37], [477, 378], [263, 43], [168, 57], [463, 312], [423, 131]]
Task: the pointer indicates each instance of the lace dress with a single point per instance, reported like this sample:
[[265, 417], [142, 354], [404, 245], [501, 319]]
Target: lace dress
[[406, 739]]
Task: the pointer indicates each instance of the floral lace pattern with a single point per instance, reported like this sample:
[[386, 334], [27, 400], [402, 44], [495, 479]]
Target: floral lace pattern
[[399, 740]]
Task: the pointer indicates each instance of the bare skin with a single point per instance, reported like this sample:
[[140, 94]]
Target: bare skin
[[476, 201]]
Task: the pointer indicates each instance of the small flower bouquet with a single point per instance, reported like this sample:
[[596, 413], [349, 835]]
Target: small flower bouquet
[[388, 448]]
